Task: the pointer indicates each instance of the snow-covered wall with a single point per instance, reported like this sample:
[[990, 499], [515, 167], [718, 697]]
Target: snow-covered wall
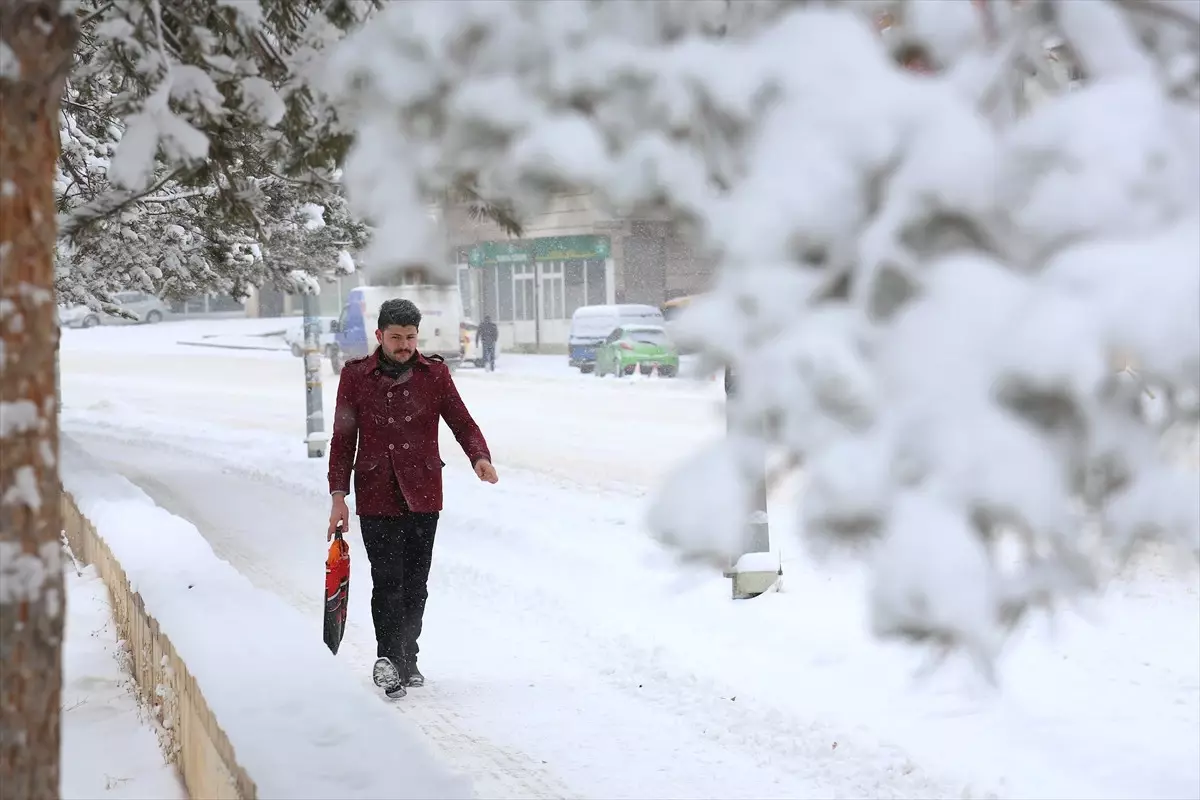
[[257, 704]]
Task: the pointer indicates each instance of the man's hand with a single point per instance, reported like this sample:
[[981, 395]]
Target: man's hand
[[339, 513], [485, 471]]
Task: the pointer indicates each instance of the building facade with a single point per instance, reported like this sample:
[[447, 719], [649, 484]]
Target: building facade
[[570, 256], [271, 302]]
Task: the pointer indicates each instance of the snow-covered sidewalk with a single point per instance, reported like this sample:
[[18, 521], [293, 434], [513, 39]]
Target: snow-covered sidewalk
[[109, 745], [289, 720]]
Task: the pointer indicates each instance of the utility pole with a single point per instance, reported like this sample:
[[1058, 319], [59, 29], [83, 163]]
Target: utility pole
[[754, 571], [316, 437]]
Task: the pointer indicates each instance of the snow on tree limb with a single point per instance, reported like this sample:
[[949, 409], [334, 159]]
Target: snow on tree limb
[[192, 136], [924, 298]]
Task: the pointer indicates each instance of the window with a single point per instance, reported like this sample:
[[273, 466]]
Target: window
[[464, 289], [524, 292], [584, 284], [504, 293], [488, 294], [573, 287], [646, 335], [552, 290]]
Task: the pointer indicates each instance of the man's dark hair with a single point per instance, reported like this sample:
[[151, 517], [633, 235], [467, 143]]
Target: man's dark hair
[[399, 312]]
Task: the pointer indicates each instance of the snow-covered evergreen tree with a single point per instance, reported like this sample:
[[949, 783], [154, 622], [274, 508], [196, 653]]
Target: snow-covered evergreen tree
[[192, 153], [191, 146], [927, 287]]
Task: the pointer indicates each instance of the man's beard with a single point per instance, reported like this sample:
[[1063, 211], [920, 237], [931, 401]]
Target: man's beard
[[399, 356]]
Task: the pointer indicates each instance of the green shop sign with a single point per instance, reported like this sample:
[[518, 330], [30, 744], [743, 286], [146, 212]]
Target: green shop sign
[[550, 248]]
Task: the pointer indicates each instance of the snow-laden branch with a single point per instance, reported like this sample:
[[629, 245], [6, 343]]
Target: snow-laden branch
[[190, 142], [925, 303]]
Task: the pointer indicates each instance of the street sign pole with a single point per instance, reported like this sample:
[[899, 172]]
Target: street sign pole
[[753, 572], [316, 437]]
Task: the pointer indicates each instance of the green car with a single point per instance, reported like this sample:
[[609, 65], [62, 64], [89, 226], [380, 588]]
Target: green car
[[640, 347]]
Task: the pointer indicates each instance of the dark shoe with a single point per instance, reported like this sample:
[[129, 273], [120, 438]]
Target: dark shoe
[[414, 678], [387, 677]]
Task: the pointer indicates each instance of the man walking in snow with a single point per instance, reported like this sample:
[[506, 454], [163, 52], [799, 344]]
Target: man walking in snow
[[486, 337], [388, 407]]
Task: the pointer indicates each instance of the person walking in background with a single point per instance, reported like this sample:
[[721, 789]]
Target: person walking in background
[[486, 337], [388, 407]]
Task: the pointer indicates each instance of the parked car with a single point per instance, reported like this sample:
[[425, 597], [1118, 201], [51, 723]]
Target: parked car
[[637, 347], [77, 317], [143, 308], [591, 324], [294, 336]]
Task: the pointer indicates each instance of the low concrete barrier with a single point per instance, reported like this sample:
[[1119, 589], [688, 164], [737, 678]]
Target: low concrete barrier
[[194, 741]]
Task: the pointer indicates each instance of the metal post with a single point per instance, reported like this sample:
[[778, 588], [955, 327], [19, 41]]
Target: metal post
[[316, 438], [751, 577], [58, 370], [537, 304]]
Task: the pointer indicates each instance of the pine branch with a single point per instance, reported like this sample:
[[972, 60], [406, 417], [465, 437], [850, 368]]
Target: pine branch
[[107, 205]]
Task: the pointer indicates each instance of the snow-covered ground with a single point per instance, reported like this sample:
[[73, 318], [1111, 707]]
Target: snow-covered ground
[[569, 655], [109, 747]]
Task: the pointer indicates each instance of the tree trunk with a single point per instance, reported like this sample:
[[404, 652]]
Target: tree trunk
[[36, 46]]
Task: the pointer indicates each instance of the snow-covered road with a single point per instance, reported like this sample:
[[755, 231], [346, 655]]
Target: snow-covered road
[[569, 656], [545, 417]]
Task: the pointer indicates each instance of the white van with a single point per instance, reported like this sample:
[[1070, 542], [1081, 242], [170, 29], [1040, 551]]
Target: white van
[[441, 315], [591, 325]]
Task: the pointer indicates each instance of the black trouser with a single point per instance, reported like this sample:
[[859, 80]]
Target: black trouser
[[400, 550], [489, 355]]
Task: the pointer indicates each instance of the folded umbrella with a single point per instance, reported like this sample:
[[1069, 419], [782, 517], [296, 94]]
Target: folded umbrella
[[337, 590]]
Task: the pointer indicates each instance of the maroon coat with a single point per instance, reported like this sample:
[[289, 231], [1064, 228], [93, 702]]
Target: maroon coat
[[393, 424]]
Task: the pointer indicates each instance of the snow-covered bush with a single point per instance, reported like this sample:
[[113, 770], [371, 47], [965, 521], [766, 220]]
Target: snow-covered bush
[[926, 289]]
